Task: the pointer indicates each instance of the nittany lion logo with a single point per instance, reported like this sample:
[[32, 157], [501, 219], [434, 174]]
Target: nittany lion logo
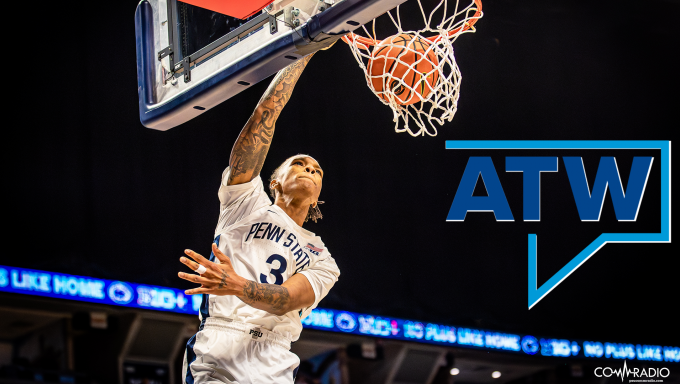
[[120, 292]]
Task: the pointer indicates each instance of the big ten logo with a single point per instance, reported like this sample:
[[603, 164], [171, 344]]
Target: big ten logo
[[378, 326], [160, 298], [597, 192]]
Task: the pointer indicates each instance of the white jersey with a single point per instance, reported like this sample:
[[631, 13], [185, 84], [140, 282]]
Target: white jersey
[[265, 245]]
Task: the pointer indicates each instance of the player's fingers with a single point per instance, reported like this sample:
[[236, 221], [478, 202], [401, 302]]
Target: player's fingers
[[195, 278], [220, 256], [189, 263], [197, 291], [197, 256]]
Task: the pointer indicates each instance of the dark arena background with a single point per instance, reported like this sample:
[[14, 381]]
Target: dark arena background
[[96, 199]]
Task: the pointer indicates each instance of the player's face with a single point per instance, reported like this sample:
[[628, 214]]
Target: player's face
[[302, 178]]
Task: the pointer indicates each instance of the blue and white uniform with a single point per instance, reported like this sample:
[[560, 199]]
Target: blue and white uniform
[[237, 343]]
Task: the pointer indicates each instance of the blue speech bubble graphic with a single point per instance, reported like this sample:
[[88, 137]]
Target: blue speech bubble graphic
[[537, 293]]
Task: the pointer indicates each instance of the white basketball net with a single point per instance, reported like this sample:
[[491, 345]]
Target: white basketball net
[[441, 103]]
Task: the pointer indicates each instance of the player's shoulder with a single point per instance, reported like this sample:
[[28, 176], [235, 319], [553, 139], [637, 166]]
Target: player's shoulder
[[266, 213], [315, 246], [306, 238], [229, 192]]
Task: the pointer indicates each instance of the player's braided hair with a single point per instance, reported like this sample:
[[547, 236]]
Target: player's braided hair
[[313, 213]]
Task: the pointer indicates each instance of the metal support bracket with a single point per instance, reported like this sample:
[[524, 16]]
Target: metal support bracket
[[186, 65], [273, 24], [165, 52]]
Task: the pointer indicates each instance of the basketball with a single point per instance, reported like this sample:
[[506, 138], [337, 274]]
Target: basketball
[[403, 57]]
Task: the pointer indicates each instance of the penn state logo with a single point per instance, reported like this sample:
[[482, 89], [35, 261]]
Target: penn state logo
[[345, 322], [529, 345], [120, 292], [255, 333]]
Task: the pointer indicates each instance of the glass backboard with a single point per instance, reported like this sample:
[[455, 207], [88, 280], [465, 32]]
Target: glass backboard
[[190, 59]]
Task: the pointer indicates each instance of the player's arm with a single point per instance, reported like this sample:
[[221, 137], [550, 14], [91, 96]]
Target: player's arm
[[252, 145], [294, 294], [221, 279]]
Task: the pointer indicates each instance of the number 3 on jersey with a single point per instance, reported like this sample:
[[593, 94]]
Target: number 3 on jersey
[[277, 273]]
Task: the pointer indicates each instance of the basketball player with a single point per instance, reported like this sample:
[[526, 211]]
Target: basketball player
[[265, 273]]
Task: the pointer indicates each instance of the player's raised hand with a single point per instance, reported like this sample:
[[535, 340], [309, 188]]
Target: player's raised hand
[[218, 279]]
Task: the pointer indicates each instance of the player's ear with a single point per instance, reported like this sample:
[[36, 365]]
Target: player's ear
[[314, 204]]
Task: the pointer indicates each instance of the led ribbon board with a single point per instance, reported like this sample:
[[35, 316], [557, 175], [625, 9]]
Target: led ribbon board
[[102, 291], [407, 330], [537, 293]]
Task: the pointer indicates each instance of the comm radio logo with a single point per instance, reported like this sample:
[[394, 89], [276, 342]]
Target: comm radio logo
[[634, 375], [566, 167]]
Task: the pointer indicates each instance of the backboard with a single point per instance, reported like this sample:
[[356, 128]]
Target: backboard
[[190, 59]]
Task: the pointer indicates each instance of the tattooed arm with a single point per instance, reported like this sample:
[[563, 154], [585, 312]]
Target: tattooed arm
[[221, 279], [252, 145], [295, 293]]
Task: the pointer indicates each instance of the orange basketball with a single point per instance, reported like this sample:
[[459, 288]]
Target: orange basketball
[[403, 57]]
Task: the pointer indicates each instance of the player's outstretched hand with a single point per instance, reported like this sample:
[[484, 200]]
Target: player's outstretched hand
[[218, 279]]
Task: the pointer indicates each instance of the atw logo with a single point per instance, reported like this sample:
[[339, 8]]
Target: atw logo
[[626, 195]]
